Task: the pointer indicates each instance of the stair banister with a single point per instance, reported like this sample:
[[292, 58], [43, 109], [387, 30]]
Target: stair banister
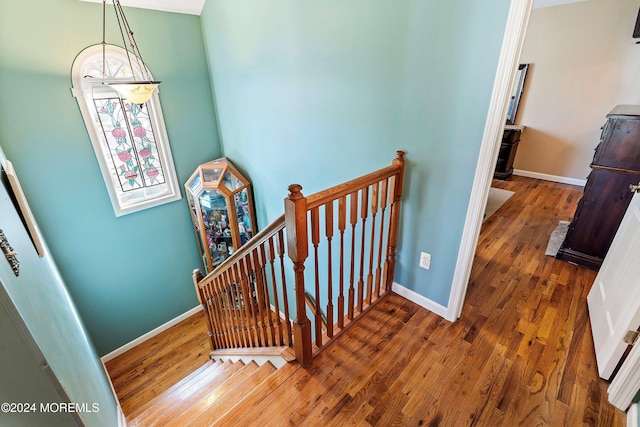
[[243, 295], [228, 264], [296, 223], [398, 162], [295, 214]]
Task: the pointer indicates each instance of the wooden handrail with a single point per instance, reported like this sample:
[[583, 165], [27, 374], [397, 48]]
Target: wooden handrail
[[240, 297], [368, 195], [253, 243], [245, 297], [346, 188]]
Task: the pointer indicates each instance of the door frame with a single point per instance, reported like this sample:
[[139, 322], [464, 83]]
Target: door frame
[[512, 42], [626, 383]]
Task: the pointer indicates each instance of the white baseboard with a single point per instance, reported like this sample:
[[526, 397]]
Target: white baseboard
[[420, 300], [632, 415], [547, 177], [122, 420], [117, 352]]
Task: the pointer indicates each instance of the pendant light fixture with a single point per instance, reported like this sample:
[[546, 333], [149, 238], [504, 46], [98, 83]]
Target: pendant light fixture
[[140, 88]]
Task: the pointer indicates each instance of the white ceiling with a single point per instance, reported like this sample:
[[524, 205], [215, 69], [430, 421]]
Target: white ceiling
[[194, 7], [191, 7]]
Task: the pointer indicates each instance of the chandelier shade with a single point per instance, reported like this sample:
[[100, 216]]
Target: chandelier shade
[[137, 92]]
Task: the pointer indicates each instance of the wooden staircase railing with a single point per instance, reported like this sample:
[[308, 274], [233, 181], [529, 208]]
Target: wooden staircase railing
[[245, 298]]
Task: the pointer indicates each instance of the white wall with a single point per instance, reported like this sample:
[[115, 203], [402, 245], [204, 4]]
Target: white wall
[[584, 62]]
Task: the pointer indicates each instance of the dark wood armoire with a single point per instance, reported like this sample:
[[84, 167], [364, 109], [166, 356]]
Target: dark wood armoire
[[615, 166]]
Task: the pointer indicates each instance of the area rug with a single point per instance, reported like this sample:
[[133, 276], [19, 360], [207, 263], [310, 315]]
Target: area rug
[[497, 198], [557, 237]]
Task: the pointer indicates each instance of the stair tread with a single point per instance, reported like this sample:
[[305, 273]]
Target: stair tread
[[160, 373], [227, 396], [181, 412], [207, 379], [235, 414], [183, 384], [149, 403]]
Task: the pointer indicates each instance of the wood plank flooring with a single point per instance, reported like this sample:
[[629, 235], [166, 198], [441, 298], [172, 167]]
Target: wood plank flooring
[[521, 353], [152, 367]]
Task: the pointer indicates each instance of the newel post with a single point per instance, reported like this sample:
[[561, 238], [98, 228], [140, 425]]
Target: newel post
[[399, 161], [197, 278], [295, 215]]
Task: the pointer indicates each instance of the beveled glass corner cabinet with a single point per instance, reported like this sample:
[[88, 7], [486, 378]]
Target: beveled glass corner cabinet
[[221, 209]]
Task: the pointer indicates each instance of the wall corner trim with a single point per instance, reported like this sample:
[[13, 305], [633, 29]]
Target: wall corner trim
[[117, 352], [422, 301]]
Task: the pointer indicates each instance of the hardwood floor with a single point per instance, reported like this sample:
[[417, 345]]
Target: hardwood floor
[[152, 367], [521, 353]]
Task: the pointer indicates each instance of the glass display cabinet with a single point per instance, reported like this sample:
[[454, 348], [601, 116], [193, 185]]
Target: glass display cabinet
[[221, 209]]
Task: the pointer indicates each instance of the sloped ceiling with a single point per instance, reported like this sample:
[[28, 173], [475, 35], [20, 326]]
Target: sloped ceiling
[[191, 7], [194, 7]]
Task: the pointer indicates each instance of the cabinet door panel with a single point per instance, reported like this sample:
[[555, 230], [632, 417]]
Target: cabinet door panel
[[605, 200], [620, 147]]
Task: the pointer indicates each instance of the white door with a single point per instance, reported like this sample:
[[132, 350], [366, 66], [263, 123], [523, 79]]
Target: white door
[[614, 299]]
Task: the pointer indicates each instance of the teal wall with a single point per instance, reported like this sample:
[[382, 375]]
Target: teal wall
[[308, 92], [320, 92], [127, 275], [62, 355]]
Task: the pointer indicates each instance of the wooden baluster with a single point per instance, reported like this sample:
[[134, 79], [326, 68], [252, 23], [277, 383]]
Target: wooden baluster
[[385, 271], [233, 309], [285, 297], [274, 286], [226, 312], [353, 219], [240, 298], [328, 219], [315, 240], [383, 203], [215, 328], [197, 277], [246, 271], [218, 305], [267, 302], [364, 212], [215, 314], [295, 211], [215, 320], [342, 208], [248, 302], [374, 211], [262, 323], [395, 217], [224, 295], [204, 297]]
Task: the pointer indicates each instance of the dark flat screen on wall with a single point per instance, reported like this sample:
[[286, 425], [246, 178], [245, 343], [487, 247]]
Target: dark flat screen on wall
[[636, 30]]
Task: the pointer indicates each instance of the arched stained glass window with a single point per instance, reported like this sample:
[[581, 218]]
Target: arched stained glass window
[[130, 141]]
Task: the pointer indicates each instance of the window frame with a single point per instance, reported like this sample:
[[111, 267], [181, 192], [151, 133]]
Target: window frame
[[83, 90]]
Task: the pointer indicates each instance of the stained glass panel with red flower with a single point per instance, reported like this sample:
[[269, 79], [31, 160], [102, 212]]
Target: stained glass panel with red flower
[[144, 144], [131, 143]]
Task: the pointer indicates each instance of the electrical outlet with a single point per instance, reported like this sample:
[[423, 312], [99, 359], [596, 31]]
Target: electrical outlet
[[425, 260]]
